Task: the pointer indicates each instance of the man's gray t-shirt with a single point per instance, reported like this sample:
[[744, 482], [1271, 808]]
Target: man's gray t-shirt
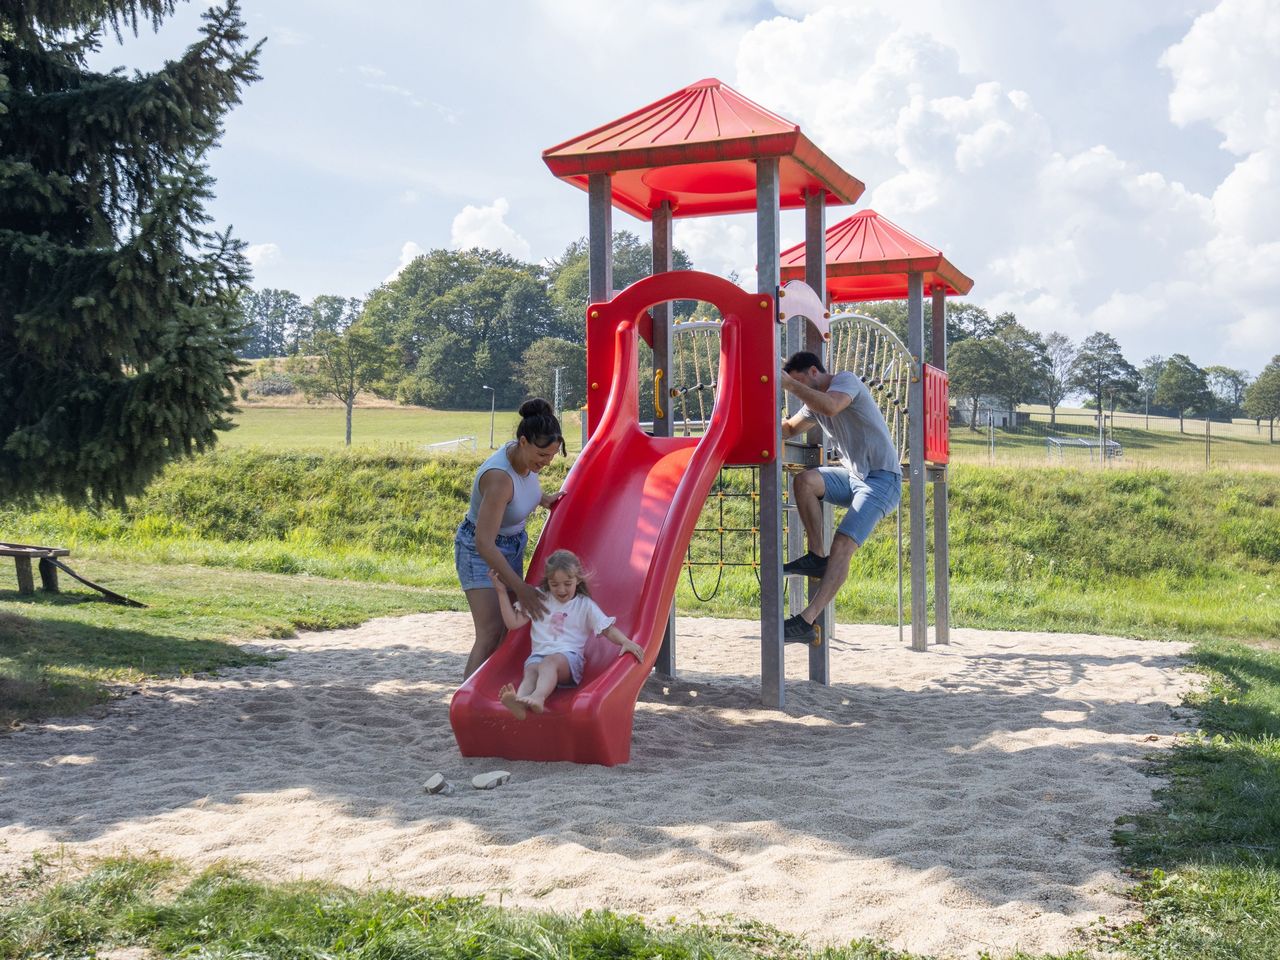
[[858, 432]]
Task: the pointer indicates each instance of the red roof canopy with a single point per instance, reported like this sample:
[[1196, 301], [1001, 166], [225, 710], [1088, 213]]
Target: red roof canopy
[[696, 148], [869, 257]]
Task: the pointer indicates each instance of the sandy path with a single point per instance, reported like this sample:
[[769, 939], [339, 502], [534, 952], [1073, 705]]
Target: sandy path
[[946, 802]]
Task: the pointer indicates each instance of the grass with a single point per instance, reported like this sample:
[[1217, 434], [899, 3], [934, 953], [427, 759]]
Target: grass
[[409, 429], [406, 429], [1209, 857], [225, 912], [61, 654], [1230, 447]]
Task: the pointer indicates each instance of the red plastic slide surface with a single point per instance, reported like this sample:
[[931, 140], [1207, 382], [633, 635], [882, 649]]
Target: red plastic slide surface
[[631, 503]]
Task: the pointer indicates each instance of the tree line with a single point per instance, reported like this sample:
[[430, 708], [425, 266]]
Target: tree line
[[998, 359], [455, 329], [463, 329]]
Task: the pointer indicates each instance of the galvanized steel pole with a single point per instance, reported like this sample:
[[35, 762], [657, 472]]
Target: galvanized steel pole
[[768, 248], [663, 260], [815, 275], [941, 543], [915, 447]]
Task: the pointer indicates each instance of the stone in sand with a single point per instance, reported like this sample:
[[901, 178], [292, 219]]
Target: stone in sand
[[487, 781], [436, 783]]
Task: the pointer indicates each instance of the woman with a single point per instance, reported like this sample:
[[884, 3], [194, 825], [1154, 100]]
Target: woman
[[492, 537]]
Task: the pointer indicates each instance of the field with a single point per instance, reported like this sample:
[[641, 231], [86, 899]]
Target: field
[[1237, 446], [406, 429]]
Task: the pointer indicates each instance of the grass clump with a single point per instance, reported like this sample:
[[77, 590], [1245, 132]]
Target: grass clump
[[224, 912], [61, 654], [1209, 856]]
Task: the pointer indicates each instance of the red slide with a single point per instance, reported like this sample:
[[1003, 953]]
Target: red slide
[[631, 503]]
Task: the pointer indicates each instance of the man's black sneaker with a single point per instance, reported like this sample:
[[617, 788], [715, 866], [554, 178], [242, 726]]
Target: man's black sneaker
[[798, 630], [807, 566]]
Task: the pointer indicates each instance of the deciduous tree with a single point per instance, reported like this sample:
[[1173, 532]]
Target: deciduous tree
[[338, 365], [1262, 399], [1182, 386]]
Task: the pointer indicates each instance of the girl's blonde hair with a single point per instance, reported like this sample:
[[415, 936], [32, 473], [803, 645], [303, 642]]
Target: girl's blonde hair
[[566, 561]]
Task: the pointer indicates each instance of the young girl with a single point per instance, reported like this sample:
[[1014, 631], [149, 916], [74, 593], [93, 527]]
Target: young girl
[[558, 638]]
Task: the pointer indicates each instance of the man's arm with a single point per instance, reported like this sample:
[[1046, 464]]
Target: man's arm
[[797, 424], [826, 402]]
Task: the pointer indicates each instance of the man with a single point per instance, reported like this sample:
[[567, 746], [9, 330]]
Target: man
[[868, 479]]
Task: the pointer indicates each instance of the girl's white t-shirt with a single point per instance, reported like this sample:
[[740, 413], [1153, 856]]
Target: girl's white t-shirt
[[566, 627]]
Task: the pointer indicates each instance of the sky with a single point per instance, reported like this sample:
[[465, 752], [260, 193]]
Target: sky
[[1092, 164]]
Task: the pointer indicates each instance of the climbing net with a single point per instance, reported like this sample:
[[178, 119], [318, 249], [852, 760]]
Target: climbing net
[[731, 528], [868, 348]]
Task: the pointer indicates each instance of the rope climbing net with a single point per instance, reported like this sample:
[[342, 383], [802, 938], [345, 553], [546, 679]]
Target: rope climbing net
[[865, 346], [731, 527]]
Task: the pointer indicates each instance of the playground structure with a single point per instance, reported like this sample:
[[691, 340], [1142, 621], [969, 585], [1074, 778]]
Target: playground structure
[[633, 498]]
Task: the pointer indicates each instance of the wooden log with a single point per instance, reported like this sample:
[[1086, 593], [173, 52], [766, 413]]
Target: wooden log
[[26, 583], [48, 576]]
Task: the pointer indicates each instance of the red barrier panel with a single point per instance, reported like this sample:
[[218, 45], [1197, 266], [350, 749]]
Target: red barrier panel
[[937, 416]]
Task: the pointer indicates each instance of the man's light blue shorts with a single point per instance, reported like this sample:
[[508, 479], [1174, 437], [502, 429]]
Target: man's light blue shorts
[[868, 499], [473, 572]]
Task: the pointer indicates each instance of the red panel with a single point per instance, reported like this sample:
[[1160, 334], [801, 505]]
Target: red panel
[[696, 148], [869, 257], [630, 508], [937, 416]]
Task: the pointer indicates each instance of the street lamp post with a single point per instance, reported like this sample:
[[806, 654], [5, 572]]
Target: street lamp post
[[493, 400]]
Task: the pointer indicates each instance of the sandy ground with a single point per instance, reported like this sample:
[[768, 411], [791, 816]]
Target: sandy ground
[[947, 802]]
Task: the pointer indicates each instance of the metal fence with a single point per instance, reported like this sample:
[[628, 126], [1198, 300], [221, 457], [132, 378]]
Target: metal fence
[[1034, 436]]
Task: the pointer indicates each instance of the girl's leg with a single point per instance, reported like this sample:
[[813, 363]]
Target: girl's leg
[[487, 617], [551, 671], [509, 700], [529, 681]]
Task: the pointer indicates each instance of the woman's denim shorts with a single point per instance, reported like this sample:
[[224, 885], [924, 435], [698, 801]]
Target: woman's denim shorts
[[868, 499], [473, 572]]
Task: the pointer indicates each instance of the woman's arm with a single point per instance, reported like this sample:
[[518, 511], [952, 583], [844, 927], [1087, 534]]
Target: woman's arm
[[626, 643], [512, 618], [549, 500], [496, 491]]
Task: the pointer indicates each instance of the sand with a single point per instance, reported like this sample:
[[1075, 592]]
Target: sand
[[950, 802]]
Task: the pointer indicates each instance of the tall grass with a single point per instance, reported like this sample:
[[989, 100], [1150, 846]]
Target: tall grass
[[1145, 552]]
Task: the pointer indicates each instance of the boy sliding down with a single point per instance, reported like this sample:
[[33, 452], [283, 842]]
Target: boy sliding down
[[560, 637]]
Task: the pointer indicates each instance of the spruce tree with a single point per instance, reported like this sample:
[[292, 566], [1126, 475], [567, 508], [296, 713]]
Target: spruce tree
[[119, 322]]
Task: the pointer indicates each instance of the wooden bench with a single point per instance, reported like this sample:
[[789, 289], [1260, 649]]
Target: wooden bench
[[23, 554]]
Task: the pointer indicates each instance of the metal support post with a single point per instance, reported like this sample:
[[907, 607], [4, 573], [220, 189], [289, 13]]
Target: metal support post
[[941, 542], [599, 246], [768, 248], [600, 237], [662, 418], [815, 275], [915, 447]]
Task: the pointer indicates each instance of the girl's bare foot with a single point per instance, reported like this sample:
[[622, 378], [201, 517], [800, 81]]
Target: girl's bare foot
[[537, 706], [513, 703]]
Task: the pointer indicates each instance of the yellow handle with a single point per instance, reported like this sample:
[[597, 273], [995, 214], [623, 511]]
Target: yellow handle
[[657, 393]]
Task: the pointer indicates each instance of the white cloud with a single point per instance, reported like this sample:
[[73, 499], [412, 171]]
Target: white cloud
[[1069, 239], [408, 253], [1226, 73], [262, 254], [487, 227]]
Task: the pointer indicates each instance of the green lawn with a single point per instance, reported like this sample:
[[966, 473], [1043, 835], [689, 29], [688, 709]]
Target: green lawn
[[61, 653], [400, 428], [411, 429]]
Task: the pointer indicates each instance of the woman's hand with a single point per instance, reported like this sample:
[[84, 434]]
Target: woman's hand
[[531, 601], [549, 500]]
